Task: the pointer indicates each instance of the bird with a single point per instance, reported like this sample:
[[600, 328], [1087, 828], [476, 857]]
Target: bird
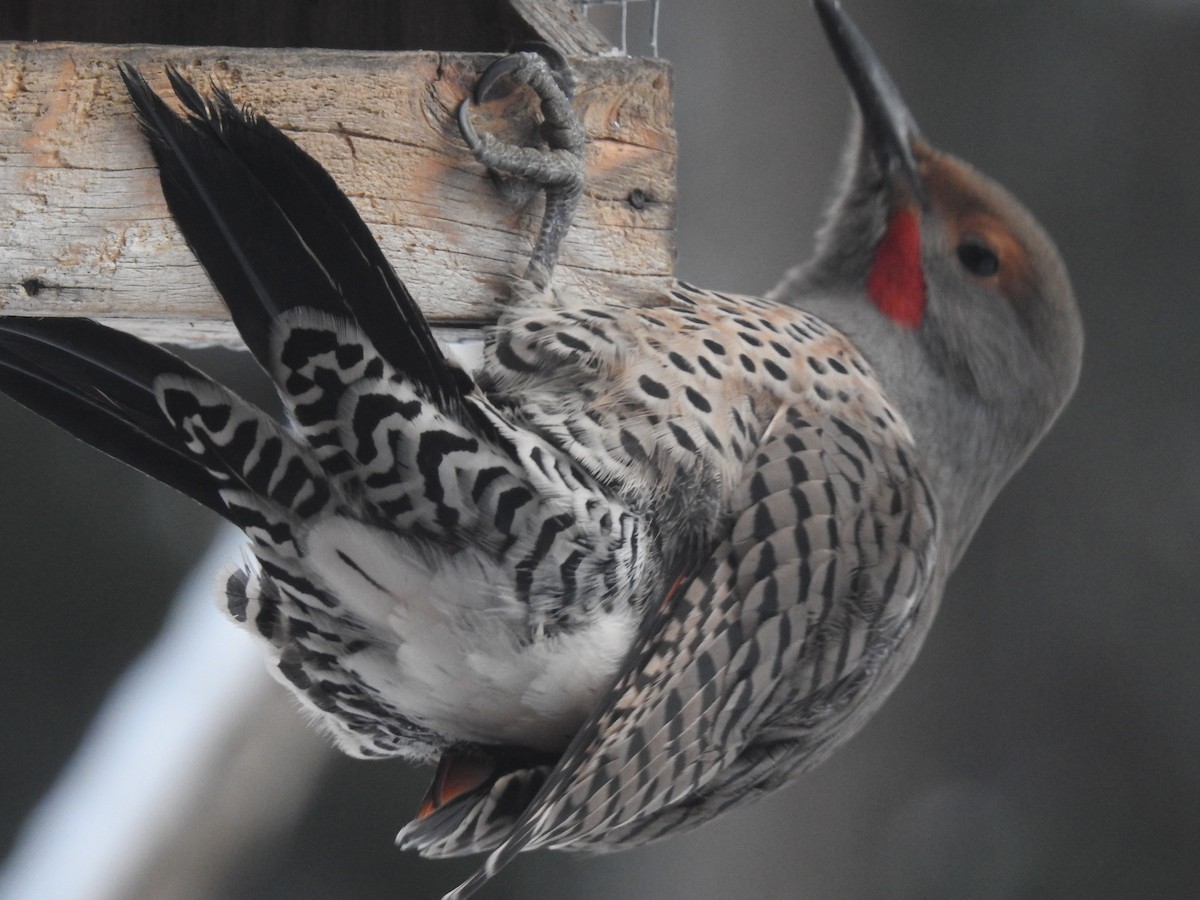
[[651, 560]]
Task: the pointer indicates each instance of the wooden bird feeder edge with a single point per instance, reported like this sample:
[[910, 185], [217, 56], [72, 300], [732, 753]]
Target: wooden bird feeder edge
[[84, 230]]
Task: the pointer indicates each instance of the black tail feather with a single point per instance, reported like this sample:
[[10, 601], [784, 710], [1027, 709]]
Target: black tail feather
[[251, 253], [325, 218], [97, 383], [275, 232]]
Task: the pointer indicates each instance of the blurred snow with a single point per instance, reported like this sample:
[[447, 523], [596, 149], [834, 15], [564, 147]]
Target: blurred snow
[[140, 762]]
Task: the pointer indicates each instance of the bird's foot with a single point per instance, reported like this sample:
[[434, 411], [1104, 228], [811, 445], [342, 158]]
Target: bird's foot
[[557, 168]]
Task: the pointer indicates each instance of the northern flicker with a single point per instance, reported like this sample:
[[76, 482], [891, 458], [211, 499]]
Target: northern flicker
[[648, 562]]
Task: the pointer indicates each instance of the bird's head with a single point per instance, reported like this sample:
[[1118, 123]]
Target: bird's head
[[952, 290]]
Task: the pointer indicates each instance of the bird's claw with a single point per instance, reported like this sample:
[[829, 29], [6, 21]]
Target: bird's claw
[[560, 69], [557, 168], [467, 128], [548, 74]]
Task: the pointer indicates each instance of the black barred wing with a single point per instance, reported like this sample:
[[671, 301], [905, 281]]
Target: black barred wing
[[98, 384], [749, 673]]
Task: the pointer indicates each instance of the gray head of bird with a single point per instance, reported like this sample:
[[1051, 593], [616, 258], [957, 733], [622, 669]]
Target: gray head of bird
[[951, 289]]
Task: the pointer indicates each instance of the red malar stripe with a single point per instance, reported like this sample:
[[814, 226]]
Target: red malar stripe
[[896, 283]]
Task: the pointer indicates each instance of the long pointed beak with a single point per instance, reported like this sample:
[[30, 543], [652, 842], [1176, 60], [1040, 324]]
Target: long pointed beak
[[889, 128]]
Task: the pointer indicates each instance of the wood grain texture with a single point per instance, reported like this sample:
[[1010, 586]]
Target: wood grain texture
[[562, 24], [84, 230]]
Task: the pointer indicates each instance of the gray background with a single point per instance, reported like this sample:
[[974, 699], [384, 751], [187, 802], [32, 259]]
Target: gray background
[[1045, 744]]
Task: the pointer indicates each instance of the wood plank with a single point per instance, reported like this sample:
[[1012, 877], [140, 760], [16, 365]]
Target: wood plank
[[563, 24], [84, 230]]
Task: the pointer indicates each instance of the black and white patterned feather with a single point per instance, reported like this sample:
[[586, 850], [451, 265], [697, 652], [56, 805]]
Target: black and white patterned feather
[[644, 565]]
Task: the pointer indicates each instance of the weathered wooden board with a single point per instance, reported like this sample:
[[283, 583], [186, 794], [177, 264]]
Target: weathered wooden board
[[562, 24], [84, 229]]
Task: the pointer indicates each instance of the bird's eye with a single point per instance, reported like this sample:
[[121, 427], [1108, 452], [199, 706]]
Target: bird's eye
[[978, 258]]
